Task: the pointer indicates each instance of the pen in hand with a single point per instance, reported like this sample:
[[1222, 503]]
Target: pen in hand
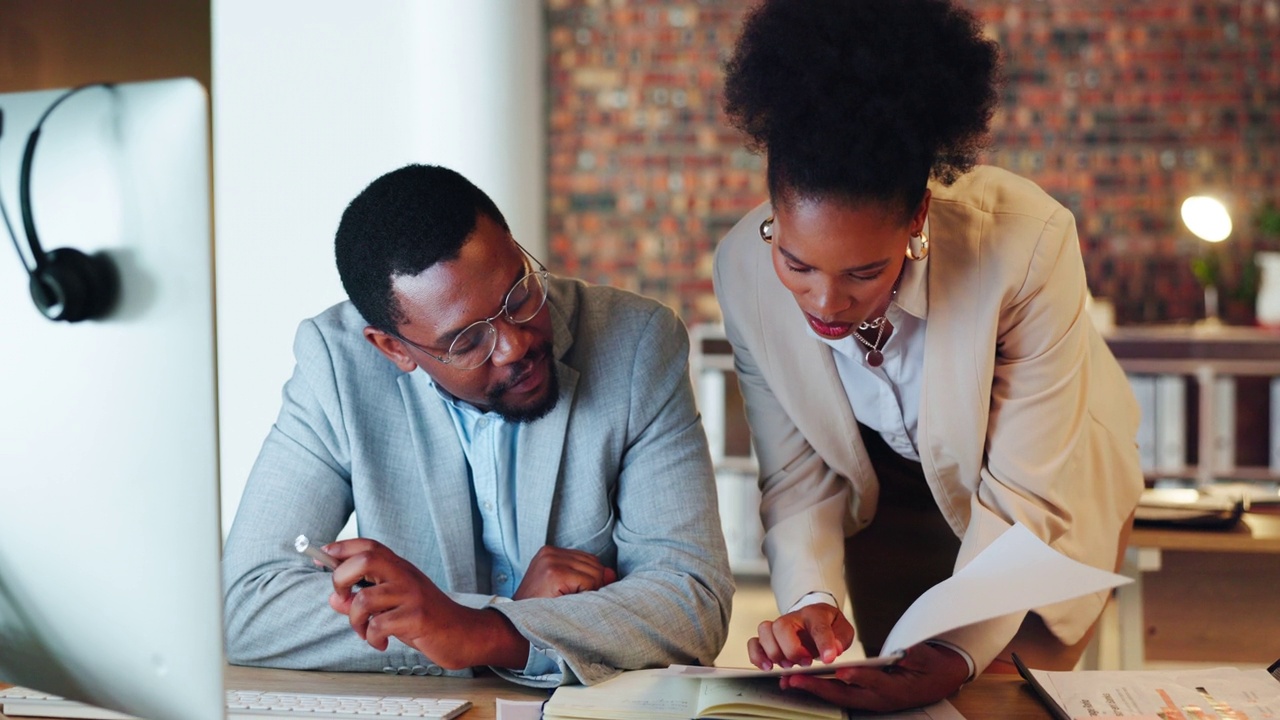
[[304, 546]]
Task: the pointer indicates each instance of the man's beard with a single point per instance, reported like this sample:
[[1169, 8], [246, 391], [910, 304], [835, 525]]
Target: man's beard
[[517, 414]]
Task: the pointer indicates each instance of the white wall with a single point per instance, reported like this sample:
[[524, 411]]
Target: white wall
[[313, 99]]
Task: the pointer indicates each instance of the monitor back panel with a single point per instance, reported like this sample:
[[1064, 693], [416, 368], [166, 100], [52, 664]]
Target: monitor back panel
[[109, 534]]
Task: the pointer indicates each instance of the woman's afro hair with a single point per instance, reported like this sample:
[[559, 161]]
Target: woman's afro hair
[[862, 99]]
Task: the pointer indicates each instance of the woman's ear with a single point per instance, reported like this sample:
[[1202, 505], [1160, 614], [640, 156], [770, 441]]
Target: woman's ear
[[921, 213]]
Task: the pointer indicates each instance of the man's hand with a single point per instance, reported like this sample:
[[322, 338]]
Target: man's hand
[[561, 571], [800, 637], [926, 675], [404, 603]]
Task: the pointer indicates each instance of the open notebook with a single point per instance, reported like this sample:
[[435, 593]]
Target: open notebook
[[653, 695], [1016, 572]]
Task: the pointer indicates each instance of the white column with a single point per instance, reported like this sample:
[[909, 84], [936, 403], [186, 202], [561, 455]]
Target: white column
[[313, 99]]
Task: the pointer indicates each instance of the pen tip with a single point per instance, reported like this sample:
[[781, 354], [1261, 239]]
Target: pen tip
[[301, 543]]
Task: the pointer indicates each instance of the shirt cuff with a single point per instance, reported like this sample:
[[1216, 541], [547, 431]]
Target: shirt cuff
[[968, 659], [985, 640], [543, 664], [543, 668], [813, 598]]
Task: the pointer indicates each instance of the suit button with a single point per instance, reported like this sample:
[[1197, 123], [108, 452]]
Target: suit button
[[389, 670], [403, 670], [435, 670], [419, 670]]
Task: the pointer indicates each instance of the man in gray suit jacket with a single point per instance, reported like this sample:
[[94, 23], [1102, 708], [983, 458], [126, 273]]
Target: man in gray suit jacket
[[539, 500]]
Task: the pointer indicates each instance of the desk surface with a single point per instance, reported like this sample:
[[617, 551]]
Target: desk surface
[[1256, 533], [990, 697]]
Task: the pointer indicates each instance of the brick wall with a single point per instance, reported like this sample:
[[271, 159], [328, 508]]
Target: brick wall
[[1119, 108]]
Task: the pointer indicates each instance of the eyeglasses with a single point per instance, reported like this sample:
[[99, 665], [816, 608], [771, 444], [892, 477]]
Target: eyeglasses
[[472, 347]]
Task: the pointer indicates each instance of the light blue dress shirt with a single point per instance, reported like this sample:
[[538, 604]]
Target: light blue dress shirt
[[489, 443]]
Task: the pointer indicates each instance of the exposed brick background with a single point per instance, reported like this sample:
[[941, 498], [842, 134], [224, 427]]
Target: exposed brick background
[[1119, 108]]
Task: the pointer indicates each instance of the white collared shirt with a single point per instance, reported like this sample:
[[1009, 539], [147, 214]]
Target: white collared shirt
[[489, 443], [887, 398]]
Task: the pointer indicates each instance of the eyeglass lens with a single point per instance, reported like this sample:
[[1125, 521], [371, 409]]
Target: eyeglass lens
[[473, 346]]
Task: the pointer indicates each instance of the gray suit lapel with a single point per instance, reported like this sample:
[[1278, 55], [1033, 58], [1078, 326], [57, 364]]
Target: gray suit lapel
[[442, 468], [541, 444], [538, 452]]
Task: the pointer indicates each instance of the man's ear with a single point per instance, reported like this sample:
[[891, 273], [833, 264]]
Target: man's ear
[[391, 347]]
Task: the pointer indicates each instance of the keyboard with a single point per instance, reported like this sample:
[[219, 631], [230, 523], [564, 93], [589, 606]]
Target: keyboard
[[249, 705]]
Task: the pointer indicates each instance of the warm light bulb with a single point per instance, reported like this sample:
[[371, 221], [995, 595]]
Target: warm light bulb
[[1207, 218]]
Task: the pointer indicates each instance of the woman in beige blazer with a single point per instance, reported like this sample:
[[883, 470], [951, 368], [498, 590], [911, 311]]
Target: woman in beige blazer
[[909, 331]]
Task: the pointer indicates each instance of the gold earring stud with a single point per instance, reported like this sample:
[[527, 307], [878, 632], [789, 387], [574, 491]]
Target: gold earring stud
[[920, 250], [766, 230]]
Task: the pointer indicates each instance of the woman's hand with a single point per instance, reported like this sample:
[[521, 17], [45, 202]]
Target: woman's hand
[[926, 675], [799, 637]]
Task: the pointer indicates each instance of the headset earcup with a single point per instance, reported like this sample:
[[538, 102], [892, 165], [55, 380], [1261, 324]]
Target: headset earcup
[[73, 286]]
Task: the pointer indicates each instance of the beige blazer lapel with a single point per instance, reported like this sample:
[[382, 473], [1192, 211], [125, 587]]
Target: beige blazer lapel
[[955, 395], [811, 390]]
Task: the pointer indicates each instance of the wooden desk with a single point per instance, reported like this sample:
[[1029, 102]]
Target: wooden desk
[[1256, 533], [1257, 538], [990, 697]]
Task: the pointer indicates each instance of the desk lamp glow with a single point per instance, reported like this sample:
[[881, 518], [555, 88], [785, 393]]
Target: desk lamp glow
[[1207, 218]]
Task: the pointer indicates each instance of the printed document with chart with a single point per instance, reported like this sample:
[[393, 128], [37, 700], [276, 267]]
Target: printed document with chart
[[1214, 694]]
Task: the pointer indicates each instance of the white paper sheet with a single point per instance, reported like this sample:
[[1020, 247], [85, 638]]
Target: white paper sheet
[[1016, 572], [701, 671]]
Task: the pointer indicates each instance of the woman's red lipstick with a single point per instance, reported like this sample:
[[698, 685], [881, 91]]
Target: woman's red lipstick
[[832, 331]]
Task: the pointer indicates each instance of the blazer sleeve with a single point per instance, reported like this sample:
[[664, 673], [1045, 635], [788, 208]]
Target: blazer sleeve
[[276, 608], [672, 601], [804, 503]]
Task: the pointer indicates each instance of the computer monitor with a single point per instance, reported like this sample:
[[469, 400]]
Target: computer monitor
[[109, 531]]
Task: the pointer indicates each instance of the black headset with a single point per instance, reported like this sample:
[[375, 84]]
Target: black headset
[[65, 284]]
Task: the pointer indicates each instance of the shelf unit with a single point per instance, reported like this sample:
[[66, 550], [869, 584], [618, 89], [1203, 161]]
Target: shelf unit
[[1214, 357], [724, 418]]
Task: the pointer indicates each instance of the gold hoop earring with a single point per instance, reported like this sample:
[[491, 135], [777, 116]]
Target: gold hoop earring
[[766, 230], [921, 249]]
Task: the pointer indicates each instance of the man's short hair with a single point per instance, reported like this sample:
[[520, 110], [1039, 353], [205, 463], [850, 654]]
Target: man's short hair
[[401, 224]]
